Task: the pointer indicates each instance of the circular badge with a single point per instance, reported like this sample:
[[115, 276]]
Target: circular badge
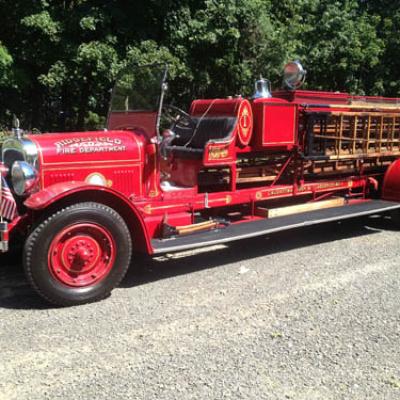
[[245, 123]]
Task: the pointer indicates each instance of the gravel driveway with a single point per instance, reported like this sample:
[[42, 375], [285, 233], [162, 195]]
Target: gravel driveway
[[308, 314]]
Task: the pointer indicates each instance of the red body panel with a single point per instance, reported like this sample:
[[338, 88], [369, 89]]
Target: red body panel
[[312, 97], [223, 151], [275, 124], [117, 157]]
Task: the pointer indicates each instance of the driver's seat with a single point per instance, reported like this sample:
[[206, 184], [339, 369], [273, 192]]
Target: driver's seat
[[190, 142]]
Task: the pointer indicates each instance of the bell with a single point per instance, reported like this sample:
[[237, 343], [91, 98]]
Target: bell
[[262, 89]]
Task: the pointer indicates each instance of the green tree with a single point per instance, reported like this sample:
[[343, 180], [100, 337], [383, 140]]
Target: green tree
[[337, 40], [58, 59], [224, 45], [387, 72]]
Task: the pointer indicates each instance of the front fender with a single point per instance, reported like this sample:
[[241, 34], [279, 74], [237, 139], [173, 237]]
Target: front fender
[[53, 193], [81, 191]]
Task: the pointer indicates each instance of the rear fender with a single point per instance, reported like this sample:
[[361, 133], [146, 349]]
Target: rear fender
[[62, 194], [391, 182]]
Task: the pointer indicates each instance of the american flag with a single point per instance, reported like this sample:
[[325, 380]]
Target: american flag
[[8, 206]]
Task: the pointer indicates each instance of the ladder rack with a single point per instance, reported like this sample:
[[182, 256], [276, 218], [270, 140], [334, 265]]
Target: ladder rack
[[352, 135]]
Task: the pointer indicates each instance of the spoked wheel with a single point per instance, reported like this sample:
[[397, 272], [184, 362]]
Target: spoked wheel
[[78, 255]]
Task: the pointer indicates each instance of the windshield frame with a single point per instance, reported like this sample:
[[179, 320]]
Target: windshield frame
[[163, 86]]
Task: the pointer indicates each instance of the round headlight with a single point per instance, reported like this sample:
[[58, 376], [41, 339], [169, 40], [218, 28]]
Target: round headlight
[[24, 178], [294, 75]]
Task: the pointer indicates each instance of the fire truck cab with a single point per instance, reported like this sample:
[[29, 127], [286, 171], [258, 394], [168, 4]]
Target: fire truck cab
[[160, 179]]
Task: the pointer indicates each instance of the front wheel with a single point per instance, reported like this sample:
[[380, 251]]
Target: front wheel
[[78, 255]]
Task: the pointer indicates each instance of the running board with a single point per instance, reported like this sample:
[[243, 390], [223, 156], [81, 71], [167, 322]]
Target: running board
[[265, 226]]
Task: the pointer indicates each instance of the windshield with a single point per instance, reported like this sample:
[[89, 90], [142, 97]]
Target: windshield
[[136, 98], [139, 89]]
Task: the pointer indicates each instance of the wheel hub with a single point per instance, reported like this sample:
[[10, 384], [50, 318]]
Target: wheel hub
[[81, 255]]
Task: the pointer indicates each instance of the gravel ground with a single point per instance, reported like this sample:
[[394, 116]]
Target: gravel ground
[[308, 314]]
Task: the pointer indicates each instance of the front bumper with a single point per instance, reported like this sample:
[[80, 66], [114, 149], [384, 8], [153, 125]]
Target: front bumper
[[4, 235]]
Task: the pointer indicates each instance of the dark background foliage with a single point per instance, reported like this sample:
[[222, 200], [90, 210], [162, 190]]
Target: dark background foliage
[[58, 59]]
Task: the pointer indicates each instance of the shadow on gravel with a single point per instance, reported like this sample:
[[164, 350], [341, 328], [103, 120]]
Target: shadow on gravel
[[163, 267], [15, 293]]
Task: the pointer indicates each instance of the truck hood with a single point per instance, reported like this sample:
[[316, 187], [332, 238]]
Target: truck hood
[[86, 147]]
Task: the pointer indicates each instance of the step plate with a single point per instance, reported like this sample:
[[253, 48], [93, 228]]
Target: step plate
[[266, 226]]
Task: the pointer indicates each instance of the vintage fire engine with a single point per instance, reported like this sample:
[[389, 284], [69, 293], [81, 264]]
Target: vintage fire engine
[[228, 169]]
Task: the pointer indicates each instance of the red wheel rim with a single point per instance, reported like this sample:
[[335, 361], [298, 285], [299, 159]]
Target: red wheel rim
[[81, 255]]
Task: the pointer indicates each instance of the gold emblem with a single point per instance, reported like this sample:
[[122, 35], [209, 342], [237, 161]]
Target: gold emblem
[[147, 209], [218, 153], [153, 193], [245, 123]]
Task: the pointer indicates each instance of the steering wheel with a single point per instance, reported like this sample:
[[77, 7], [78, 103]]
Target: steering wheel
[[178, 116], [181, 121]]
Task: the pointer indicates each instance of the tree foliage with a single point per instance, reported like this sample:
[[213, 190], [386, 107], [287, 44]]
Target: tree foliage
[[58, 59]]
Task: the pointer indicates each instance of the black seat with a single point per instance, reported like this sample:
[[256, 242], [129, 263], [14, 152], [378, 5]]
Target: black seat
[[191, 141]]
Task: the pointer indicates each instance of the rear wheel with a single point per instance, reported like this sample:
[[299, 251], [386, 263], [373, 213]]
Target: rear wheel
[[78, 255]]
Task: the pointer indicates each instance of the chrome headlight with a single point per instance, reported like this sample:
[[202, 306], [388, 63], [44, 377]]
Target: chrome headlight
[[24, 178], [19, 150]]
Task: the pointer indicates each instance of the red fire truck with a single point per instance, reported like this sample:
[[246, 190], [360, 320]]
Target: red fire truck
[[161, 180]]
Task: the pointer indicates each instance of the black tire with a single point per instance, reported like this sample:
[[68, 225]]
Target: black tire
[[36, 254]]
